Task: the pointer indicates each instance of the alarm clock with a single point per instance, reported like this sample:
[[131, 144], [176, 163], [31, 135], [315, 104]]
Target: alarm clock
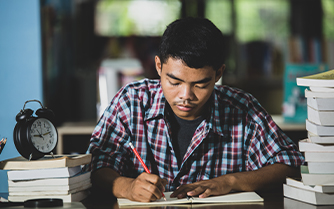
[[35, 137]]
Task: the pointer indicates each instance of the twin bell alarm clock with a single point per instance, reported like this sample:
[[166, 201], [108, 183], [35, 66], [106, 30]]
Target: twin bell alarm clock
[[35, 136]]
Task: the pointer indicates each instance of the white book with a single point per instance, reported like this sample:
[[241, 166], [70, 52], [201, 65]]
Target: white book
[[74, 197], [51, 181], [85, 184], [320, 139], [43, 173], [316, 179], [324, 118], [324, 79], [57, 191], [319, 156], [320, 103], [321, 89], [305, 145], [317, 188], [239, 197], [316, 94], [321, 167], [319, 129], [296, 204], [312, 197]]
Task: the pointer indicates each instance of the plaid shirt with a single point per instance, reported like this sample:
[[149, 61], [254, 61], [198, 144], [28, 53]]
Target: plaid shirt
[[239, 135]]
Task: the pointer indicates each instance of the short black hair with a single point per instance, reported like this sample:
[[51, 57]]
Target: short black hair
[[196, 41]]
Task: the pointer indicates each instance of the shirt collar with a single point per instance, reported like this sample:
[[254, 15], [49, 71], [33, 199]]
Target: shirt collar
[[158, 104], [214, 121]]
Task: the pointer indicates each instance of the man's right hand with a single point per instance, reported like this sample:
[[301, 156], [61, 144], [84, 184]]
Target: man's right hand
[[145, 188]]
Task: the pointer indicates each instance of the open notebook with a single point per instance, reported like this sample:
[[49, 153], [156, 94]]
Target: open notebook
[[238, 197]]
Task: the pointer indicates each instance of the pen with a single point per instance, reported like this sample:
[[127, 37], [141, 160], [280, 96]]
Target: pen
[[143, 164]]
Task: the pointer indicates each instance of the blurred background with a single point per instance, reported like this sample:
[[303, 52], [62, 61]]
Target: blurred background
[[80, 42], [262, 36]]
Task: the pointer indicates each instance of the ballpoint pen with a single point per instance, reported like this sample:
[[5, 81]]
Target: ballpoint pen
[[143, 164]]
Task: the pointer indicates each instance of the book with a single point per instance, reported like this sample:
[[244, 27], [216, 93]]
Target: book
[[296, 204], [324, 79], [308, 196], [81, 177], [316, 94], [319, 129], [49, 190], [319, 156], [316, 179], [73, 197], [317, 188], [239, 197], [321, 89], [320, 167], [305, 145], [321, 103], [320, 139], [43, 173], [48, 161], [324, 118]]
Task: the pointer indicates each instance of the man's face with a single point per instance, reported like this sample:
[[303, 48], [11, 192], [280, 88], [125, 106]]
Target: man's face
[[186, 89]]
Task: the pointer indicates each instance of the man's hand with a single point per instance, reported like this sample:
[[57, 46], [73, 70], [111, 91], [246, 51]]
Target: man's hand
[[145, 188], [271, 176], [217, 186]]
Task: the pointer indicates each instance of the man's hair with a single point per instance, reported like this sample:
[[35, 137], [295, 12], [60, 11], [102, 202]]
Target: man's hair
[[196, 41]]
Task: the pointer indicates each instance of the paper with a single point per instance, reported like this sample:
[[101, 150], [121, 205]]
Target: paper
[[239, 197]]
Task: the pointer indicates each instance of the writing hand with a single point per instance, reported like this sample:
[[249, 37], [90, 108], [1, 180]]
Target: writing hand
[[217, 186], [146, 188]]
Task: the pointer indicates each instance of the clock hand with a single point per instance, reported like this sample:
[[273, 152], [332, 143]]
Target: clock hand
[[40, 135], [46, 133]]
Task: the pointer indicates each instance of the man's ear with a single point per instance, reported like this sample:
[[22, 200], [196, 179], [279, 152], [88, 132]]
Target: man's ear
[[219, 72], [158, 65]]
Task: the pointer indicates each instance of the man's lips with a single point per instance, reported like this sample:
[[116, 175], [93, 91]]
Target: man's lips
[[184, 107]]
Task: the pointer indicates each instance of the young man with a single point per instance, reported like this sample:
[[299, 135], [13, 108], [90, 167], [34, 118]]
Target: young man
[[195, 138]]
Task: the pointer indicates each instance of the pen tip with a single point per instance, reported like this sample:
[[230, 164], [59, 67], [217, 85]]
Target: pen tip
[[165, 199]]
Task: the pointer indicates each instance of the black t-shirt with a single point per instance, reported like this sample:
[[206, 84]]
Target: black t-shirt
[[182, 133]]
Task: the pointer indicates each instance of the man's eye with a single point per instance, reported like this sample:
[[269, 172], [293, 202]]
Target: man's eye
[[201, 87], [174, 84]]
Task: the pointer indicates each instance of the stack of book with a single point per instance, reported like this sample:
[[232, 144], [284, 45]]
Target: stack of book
[[49, 177], [317, 183]]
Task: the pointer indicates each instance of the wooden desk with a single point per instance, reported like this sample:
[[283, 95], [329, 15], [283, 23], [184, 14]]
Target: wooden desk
[[272, 200]]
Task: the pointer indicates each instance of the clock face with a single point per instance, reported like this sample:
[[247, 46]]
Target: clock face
[[43, 135]]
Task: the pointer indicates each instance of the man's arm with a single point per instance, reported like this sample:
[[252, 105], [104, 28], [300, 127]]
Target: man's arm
[[145, 188], [266, 177]]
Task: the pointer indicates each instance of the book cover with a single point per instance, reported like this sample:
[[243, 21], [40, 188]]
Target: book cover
[[316, 179], [321, 89], [73, 197], [320, 139], [61, 190], [312, 197], [305, 145], [316, 94], [81, 177], [319, 129], [320, 167], [48, 161], [323, 118], [319, 156], [43, 173], [323, 79], [317, 188], [321, 103], [239, 197]]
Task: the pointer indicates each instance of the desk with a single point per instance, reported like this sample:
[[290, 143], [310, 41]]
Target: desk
[[272, 200], [87, 128]]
